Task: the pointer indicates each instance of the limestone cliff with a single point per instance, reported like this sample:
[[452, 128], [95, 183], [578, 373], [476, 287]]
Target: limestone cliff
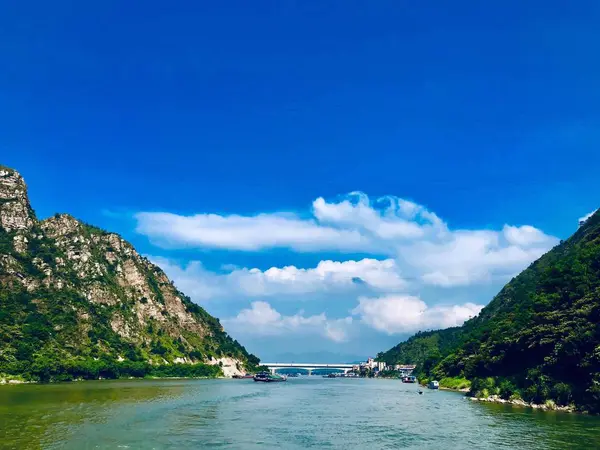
[[71, 290]]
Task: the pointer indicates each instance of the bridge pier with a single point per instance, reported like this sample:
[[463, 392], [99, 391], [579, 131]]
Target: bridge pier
[[272, 370], [309, 372]]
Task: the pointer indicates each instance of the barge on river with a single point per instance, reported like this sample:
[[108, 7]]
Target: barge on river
[[267, 377]]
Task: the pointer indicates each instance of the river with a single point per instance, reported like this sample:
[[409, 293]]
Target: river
[[305, 412]]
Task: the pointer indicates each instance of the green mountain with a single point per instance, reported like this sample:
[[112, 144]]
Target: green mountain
[[423, 349], [539, 338], [79, 302]]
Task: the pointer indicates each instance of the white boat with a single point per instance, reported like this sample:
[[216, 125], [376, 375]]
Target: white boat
[[433, 385]]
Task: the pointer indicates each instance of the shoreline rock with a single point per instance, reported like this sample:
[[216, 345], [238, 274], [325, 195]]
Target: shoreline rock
[[13, 381], [550, 406]]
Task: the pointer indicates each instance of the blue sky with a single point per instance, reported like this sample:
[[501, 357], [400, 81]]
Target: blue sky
[[481, 116]]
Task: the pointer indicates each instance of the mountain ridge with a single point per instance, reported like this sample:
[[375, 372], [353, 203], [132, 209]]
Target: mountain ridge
[[73, 293]]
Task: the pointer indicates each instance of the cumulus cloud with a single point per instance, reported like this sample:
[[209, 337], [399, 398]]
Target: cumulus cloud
[[412, 251], [327, 277], [262, 319], [404, 314], [247, 233], [386, 218], [352, 224], [420, 243], [193, 279], [474, 256]]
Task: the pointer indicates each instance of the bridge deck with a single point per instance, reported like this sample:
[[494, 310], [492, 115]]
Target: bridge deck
[[313, 365]]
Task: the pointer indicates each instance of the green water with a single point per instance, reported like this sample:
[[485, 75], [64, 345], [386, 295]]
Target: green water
[[302, 413]]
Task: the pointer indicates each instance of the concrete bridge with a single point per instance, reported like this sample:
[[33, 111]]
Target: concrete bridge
[[308, 366]]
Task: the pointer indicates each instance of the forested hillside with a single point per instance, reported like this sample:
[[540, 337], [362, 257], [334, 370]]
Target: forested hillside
[[79, 302], [423, 349], [538, 339]]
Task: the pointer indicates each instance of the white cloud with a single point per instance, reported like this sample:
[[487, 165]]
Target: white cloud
[[394, 314], [262, 320], [394, 220], [418, 242], [352, 224], [327, 277], [526, 236], [414, 251], [248, 233], [337, 330], [474, 256], [587, 216], [193, 279]]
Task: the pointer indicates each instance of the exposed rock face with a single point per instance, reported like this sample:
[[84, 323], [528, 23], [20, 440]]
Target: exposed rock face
[[229, 366], [98, 293], [15, 210]]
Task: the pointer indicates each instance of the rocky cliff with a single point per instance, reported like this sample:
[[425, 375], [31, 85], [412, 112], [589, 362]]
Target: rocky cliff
[[73, 292]]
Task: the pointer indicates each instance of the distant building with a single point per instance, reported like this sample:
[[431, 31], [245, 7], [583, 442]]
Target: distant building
[[405, 369]]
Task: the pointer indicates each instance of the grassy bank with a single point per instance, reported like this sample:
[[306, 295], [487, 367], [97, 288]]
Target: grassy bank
[[92, 369], [451, 383], [504, 391]]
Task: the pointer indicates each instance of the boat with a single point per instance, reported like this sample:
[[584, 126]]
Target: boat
[[267, 377], [409, 379], [433, 385], [240, 377]]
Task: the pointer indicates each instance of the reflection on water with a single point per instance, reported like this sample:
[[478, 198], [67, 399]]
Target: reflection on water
[[35, 416], [302, 413]]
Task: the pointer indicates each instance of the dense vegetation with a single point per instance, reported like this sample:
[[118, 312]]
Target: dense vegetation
[[538, 339], [423, 349], [40, 340], [51, 330]]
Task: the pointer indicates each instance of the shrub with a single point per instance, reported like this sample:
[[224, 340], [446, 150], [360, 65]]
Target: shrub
[[455, 383], [562, 394], [479, 385], [506, 389], [549, 404], [515, 396], [484, 393], [536, 393]]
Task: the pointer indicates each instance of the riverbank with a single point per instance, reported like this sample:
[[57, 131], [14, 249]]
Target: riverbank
[[12, 381], [122, 370], [451, 389], [106, 368], [547, 406], [462, 390], [456, 384]]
